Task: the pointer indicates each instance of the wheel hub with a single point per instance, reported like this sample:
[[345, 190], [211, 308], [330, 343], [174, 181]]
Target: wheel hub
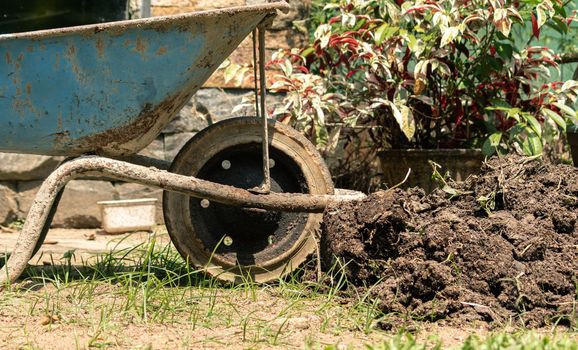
[[248, 236]]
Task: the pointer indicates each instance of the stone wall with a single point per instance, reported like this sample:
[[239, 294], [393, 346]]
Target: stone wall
[[21, 175]]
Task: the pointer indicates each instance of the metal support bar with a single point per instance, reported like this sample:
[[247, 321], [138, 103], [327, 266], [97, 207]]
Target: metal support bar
[[255, 70], [266, 185], [99, 166], [260, 101]]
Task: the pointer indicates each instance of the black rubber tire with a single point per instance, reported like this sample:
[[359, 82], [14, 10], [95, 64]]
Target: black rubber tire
[[189, 224]]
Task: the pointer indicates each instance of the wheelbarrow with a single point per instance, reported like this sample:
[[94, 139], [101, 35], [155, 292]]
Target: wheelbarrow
[[242, 198]]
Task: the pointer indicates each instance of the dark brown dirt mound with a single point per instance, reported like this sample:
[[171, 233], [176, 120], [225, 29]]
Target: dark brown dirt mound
[[505, 249]]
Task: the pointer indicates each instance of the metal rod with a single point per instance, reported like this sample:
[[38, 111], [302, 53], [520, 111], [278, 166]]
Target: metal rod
[[266, 185], [191, 186], [255, 68]]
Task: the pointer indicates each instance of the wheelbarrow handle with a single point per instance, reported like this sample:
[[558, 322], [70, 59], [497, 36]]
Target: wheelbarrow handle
[[100, 166]]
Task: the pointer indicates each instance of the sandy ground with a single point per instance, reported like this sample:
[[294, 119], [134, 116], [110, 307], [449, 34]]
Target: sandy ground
[[84, 315]]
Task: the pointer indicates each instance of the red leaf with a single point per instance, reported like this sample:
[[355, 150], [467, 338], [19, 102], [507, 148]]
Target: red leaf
[[535, 29], [303, 69], [335, 19], [459, 112], [351, 73], [273, 63], [354, 43]]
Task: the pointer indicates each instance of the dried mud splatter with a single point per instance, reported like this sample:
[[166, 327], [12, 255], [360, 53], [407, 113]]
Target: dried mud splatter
[[439, 257]]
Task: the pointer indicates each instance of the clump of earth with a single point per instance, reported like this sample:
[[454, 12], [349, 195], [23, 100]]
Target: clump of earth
[[500, 247]]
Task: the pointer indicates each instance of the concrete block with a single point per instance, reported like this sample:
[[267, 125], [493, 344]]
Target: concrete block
[[25, 167], [8, 204], [77, 208]]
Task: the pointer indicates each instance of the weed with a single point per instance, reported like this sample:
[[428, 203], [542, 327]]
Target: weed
[[17, 224]]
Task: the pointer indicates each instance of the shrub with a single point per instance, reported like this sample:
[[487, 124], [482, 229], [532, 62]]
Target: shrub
[[429, 74]]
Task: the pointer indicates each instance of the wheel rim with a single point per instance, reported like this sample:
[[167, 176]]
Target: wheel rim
[[196, 226]]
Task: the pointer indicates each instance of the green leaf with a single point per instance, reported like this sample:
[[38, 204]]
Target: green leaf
[[500, 104], [567, 110], [534, 124], [393, 11], [308, 51], [408, 126], [360, 23], [532, 145], [504, 50], [404, 119], [495, 138], [384, 32], [559, 9], [491, 144], [380, 33], [231, 72], [555, 117], [516, 130], [451, 191], [558, 25]]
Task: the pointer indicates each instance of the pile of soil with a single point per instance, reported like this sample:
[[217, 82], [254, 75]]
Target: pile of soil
[[505, 248]]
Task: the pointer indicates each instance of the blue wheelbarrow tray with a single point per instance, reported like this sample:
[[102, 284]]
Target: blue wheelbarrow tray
[[111, 88]]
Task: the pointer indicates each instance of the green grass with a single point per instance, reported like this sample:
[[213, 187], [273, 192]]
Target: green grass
[[149, 289], [520, 341]]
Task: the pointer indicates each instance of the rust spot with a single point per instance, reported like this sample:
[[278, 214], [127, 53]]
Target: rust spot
[[126, 43], [74, 64], [59, 121], [8, 58], [100, 47], [61, 137], [207, 61], [30, 48], [71, 51], [19, 60], [140, 46], [161, 51], [57, 61], [22, 104]]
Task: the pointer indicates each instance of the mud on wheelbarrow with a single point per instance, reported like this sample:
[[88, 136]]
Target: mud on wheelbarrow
[[242, 197]]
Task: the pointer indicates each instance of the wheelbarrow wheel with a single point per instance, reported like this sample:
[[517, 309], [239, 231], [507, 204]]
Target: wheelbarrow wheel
[[234, 243]]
